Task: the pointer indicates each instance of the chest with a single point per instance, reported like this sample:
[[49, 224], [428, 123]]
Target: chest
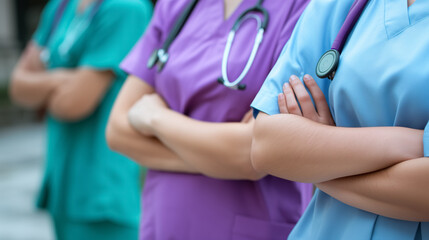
[[67, 41], [383, 76], [188, 81]]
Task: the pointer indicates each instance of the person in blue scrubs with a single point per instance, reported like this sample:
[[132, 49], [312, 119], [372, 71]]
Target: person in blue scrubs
[[371, 169]]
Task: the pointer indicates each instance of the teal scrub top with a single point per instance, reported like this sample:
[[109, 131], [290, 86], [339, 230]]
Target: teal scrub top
[[84, 179], [382, 80]]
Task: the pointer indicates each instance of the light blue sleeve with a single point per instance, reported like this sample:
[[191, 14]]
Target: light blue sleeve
[[426, 141], [313, 35]]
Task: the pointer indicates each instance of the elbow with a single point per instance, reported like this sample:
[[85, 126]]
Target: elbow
[[276, 157], [256, 156], [19, 94], [112, 135], [259, 161], [259, 148]]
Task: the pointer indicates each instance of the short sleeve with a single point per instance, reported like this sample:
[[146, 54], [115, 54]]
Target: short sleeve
[[426, 141], [40, 37], [136, 61], [116, 27], [313, 35], [292, 17]]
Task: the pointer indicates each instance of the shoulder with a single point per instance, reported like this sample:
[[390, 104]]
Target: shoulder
[[167, 11], [172, 6], [125, 6]]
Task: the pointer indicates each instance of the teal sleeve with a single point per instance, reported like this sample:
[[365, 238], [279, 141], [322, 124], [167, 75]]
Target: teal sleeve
[[426, 140], [40, 37], [115, 29], [313, 35]]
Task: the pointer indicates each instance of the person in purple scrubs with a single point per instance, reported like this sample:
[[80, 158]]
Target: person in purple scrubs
[[195, 134]]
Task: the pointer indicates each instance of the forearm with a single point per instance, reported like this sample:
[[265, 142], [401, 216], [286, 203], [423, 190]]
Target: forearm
[[147, 151], [30, 83], [79, 94], [32, 89], [397, 192], [219, 150], [299, 149]]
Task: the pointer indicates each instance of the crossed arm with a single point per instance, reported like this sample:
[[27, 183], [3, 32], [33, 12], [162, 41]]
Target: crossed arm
[[379, 169], [68, 94], [219, 150]]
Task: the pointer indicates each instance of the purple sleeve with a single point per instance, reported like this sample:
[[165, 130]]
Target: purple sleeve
[[136, 61], [165, 13]]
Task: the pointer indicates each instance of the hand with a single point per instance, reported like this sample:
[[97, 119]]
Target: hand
[[295, 90], [144, 111]]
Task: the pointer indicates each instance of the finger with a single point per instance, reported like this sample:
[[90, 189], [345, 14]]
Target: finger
[[281, 99], [318, 96], [303, 97], [291, 103]]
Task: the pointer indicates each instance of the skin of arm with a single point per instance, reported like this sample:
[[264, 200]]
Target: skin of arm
[[30, 84], [123, 138], [69, 94], [395, 192], [79, 94], [218, 150], [299, 149]]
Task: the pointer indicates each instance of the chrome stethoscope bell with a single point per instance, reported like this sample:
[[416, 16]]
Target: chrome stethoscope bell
[[159, 57], [235, 87]]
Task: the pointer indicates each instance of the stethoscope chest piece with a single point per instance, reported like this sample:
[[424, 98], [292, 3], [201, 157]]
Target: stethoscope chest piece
[[159, 57], [328, 64]]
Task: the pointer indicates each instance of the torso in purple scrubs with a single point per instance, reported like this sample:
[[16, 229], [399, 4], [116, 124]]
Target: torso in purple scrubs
[[196, 207]]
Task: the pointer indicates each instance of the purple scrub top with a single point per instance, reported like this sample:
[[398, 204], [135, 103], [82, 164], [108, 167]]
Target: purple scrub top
[[196, 207]]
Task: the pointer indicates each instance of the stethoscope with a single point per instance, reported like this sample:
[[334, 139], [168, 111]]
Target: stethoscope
[[328, 63], [78, 26], [160, 56]]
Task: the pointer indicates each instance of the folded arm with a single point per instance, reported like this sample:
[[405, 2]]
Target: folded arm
[[69, 94], [30, 84], [397, 192], [296, 148], [123, 138], [219, 150]]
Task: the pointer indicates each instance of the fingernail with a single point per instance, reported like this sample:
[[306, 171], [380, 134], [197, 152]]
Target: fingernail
[[293, 78], [286, 87], [307, 77]]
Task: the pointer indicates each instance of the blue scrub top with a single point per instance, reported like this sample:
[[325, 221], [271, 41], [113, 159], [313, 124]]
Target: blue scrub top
[[382, 80]]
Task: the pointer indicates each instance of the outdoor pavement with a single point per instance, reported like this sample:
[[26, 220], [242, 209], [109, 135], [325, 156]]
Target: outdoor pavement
[[21, 162]]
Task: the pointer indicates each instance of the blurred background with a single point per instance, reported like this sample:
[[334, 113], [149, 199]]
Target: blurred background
[[21, 133]]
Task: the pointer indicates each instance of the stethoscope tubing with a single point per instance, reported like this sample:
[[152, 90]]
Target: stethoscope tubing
[[258, 39], [249, 13]]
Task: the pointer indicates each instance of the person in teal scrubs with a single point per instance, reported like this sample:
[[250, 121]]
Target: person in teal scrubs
[[371, 169], [71, 69]]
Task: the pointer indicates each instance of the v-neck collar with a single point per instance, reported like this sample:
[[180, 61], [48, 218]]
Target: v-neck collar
[[229, 22], [418, 10], [398, 16]]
